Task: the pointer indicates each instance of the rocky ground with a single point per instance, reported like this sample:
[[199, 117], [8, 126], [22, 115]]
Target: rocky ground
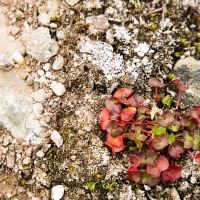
[[59, 61]]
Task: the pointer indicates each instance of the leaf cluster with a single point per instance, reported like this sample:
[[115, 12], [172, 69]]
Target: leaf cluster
[[158, 135]]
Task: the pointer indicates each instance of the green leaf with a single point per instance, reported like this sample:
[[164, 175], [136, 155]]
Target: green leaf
[[158, 130], [153, 26], [183, 40], [109, 187], [171, 138], [167, 101], [138, 144], [177, 54], [91, 185]]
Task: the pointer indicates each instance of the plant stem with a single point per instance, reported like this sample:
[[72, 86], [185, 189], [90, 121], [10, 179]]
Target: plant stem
[[156, 90], [147, 132], [190, 153], [179, 99]]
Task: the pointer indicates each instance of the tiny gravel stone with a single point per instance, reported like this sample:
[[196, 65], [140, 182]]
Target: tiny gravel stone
[[60, 35], [57, 192], [53, 25], [54, 47], [27, 161], [58, 88], [19, 14], [30, 80], [46, 67], [40, 154], [10, 161], [56, 137], [42, 9], [18, 58], [39, 95], [14, 30], [37, 108], [174, 194], [58, 63], [99, 24], [7, 140], [44, 19]]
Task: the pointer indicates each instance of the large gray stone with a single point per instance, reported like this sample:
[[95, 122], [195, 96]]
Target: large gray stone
[[188, 70], [16, 103], [38, 43]]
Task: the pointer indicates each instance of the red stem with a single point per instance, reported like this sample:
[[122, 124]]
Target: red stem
[[179, 99], [156, 90], [190, 153], [147, 132]]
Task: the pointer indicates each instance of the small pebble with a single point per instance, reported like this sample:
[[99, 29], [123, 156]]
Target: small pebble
[[27, 161], [18, 58], [56, 137], [44, 19], [58, 88], [58, 63], [57, 192], [39, 95]]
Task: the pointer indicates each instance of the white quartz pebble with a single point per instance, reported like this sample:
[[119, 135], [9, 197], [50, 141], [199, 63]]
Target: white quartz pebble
[[57, 192]]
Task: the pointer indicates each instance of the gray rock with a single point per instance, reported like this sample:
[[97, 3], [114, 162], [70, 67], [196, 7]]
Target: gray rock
[[16, 102], [57, 192], [188, 70], [58, 63], [38, 43], [44, 19], [14, 109], [6, 63], [99, 24]]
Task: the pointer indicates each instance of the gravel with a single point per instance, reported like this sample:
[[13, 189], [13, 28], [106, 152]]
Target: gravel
[[75, 54]]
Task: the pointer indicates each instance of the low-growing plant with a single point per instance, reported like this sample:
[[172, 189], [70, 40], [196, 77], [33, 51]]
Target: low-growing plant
[[158, 135]]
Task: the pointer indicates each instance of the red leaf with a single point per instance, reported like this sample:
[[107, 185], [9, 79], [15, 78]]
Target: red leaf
[[104, 123], [162, 163], [116, 143], [133, 176], [150, 181], [104, 114], [176, 149], [127, 113], [173, 173], [197, 158], [133, 159], [104, 118], [154, 82], [153, 171], [160, 143], [123, 93]]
